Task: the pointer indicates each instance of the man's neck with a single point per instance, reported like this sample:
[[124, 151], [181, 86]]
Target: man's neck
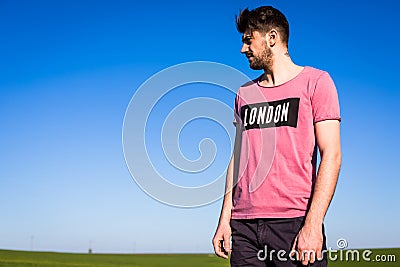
[[282, 70]]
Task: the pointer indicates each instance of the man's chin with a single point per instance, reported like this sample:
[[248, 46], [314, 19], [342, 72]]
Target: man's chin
[[255, 67]]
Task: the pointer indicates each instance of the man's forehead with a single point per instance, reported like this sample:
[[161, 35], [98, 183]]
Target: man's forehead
[[248, 33], [251, 33]]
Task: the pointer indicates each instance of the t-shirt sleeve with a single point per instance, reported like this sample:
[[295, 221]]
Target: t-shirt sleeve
[[324, 100], [236, 115]]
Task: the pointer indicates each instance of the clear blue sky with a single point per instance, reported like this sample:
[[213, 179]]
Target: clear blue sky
[[68, 70]]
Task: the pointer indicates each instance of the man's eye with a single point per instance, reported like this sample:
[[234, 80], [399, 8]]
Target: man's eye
[[246, 39]]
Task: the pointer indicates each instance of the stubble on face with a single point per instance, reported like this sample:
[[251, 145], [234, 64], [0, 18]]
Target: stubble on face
[[263, 60]]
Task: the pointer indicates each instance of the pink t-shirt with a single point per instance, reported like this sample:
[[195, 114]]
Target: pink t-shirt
[[277, 164]]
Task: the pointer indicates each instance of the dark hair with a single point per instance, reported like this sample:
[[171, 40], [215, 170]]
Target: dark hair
[[263, 19]]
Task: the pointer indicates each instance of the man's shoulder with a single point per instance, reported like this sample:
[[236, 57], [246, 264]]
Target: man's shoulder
[[314, 72], [309, 73], [248, 85]]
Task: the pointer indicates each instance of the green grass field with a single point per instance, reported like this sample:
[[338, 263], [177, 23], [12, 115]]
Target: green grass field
[[49, 259]]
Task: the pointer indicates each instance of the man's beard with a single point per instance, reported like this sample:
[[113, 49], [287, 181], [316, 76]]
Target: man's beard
[[263, 61]]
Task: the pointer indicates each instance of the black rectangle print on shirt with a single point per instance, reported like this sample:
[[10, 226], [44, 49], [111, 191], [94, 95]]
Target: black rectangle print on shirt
[[270, 114]]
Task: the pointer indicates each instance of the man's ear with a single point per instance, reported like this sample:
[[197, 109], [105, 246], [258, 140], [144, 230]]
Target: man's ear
[[271, 37]]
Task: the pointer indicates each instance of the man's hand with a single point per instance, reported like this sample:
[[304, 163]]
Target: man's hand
[[221, 240], [308, 244]]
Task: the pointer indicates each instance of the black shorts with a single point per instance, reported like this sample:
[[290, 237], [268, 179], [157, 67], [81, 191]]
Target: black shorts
[[267, 242]]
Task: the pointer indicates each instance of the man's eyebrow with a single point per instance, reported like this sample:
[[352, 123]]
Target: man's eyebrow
[[245, 37]]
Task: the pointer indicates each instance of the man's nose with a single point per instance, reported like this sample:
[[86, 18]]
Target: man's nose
[[245, 49]]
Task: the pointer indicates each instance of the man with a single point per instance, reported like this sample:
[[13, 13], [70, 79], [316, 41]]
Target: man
[[275, 202]]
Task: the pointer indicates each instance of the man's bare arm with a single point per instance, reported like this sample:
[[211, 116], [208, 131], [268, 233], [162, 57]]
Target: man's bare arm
[[310, 237], [221, 240]]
